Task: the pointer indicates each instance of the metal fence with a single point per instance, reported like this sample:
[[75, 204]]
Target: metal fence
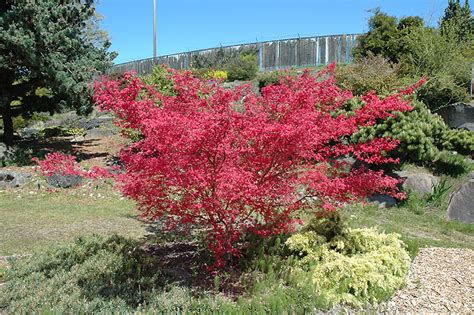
[[272, 55]]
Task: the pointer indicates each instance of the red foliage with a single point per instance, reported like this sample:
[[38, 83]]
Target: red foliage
[[233, 164], [63, 164]]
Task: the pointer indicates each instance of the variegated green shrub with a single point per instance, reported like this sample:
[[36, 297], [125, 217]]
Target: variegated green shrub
[[359, 267]]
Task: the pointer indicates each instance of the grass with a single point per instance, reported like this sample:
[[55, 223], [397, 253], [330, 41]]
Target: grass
[[32, 219], [418, 230], [421, 221]]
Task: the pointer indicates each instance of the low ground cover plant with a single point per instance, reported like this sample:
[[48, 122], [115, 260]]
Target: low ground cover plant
[[234, 165]]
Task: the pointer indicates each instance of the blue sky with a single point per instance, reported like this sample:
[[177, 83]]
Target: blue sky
[[184, 25]]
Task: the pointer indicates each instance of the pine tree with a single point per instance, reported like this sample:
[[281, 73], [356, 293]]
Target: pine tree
[[458, 21], [47, 44]]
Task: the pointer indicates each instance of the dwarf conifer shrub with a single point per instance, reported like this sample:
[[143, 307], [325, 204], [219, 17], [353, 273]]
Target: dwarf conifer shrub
[[424, 140], [359, 267]]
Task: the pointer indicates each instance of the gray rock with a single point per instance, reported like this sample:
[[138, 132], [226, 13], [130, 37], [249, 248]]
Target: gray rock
[[461, 204], [421, 183], [468, 126], [456, 115], [98, 133], [54, 123], [64, 181], [29, 133], [12, 179], [383, 201], [98, 122]]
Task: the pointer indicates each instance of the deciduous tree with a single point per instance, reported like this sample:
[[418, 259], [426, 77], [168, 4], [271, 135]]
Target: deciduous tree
[[236, 165]]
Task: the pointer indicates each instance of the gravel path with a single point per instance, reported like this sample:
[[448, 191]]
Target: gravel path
[[441, 280]]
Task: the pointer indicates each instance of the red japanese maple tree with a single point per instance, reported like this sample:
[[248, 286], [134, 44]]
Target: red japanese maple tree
[[236, 162]]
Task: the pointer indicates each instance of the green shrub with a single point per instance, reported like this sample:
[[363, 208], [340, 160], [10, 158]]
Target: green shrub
[[370, 73], [245, 67], [447, 162], [73, 132], [49, 132], [118, 275], [442, 90], [461, 141], [421, 51], [39, 117], [162, 80], [328, 224], [58, 131], [438, 196], [424, 140], [361, 267], [273, 77], [18, 156], [19, 122]]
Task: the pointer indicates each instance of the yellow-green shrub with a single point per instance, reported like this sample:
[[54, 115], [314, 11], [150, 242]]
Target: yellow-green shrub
[[216, 75], [362, 266]]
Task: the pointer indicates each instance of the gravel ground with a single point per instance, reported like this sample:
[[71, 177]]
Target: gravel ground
[[441, 280]]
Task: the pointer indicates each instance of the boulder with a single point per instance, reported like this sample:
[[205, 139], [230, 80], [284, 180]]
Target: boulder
[[99, 122], [12, 179], [457, 114], [98, 133], [467, 126], [421, 183], [461, 204], [383, 201], [64, 181], [29, 133], [54, 123]]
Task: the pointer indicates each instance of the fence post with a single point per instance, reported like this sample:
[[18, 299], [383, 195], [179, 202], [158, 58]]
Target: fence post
[[472, 77], [277, 56], [318, 55], [326, 52], [296, 50]]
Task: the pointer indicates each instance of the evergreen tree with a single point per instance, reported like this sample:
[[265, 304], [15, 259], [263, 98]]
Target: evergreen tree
[[48, 44], [381, 39], [458, 21], [385, 35]]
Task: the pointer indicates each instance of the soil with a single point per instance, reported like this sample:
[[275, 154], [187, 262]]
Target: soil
[[93, 151]]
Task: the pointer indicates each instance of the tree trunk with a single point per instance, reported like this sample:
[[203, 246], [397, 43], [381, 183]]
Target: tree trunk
[[7, 125]]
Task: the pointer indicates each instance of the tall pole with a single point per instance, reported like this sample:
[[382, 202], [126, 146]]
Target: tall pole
[[154, 30]]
